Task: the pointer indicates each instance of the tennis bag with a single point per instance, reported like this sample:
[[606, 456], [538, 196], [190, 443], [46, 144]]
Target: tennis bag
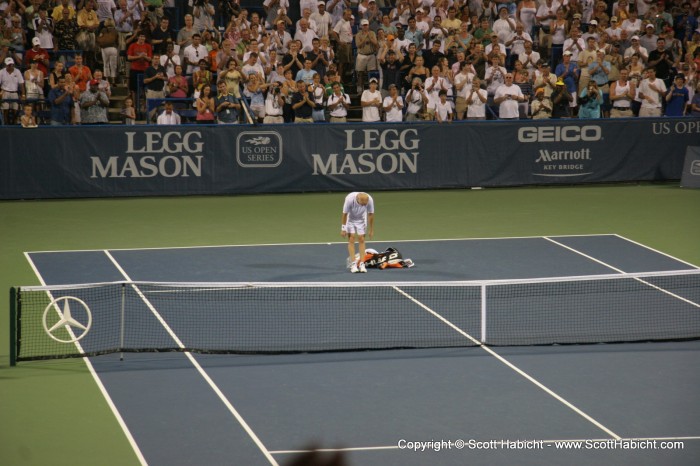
[[391, 258]]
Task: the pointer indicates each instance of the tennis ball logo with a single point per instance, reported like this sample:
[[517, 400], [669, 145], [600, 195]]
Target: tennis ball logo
[[259, 149]]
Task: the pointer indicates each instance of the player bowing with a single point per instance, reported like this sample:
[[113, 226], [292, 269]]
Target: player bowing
[[358, 215]]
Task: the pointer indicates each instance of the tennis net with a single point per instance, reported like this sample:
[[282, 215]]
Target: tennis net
[[90, 319]]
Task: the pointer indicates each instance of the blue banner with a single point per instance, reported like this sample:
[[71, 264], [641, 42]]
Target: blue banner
[[49, 162]]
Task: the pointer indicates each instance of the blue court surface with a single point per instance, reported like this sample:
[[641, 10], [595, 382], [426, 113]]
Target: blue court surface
[[628, 403]]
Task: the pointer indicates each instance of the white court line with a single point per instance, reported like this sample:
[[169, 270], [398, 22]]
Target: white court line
[[658, 252], [514, 367], [197, 366], [545, 442], [98, 381], [317, 243], [640, 280]]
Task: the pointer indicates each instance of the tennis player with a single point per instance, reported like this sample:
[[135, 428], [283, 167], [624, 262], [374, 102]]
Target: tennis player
[[358, 215]]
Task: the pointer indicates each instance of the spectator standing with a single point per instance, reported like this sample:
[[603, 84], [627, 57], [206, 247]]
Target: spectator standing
[[540, 107], [561, 99], [371, 101], [227, 106], [344, 37], [139, 55], [93, 105], [11, 87], [162, 36], [507, 97], [443, 108], [416, 99], [622, 92], [303, 104], [195, 52], [662, 61], [591, 101], [391, 70], [476, 101], [318, 93], [61, 101], [393, 104], [81, 73], [338, 103], [677, 98], [323, 20], [39, 55], [169, 60], [108, 41], [367, 47], [651, 91], [274, 105]]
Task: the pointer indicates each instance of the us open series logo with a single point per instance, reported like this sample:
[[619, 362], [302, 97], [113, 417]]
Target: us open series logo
[[259, 149]]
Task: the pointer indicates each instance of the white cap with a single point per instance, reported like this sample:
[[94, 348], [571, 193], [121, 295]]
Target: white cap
[[635, 38], [567, 52], [9, 61], [36, 41], [363, 22], [593, 21], [649, 25]]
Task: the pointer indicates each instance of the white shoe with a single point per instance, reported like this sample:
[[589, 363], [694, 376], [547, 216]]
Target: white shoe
[[353, 269], [362, 268]]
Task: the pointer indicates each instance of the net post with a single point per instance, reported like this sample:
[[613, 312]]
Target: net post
[[483, 313], [13, 326], [121, 330]]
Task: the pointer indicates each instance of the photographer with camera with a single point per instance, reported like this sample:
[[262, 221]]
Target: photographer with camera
[[590, 101], [416, 100], [274, 104]]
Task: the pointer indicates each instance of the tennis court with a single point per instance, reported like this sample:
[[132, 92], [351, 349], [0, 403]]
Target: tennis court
[[374, 406]]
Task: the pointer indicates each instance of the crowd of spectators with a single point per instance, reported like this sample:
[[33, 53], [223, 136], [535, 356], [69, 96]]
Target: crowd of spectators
[[407, 60]]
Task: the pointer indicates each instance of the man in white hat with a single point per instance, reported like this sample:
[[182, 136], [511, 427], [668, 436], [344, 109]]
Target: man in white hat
[[11, 87], [371, 102], [39, 55]]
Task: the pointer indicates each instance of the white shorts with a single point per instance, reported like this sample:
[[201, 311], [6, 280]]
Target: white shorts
[[358, 228]]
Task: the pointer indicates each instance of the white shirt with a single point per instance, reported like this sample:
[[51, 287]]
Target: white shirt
[[530, 61], [272, 107], [323, 23], [370, 112], [443, 110], [467, 80], [306, 38], [193, 55], [170, 68], [339, 111], [571, 47], [395, 112], [477, 108], [437, 84], [166, 118], [509, 107], [415, 102], [357, 213], [10, 82], [502, 27], [344, 30], [645, 90]]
